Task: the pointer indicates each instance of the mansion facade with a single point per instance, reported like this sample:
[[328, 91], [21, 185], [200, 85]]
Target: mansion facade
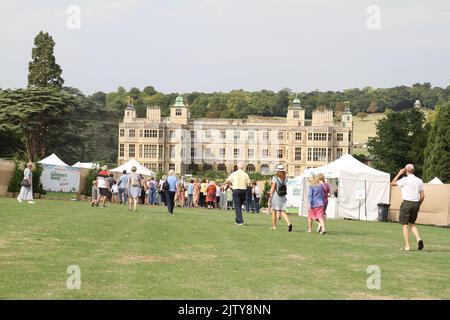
[[191, 145]]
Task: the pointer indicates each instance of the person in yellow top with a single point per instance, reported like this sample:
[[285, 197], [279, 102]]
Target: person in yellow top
[[239, 180], [203, 187]]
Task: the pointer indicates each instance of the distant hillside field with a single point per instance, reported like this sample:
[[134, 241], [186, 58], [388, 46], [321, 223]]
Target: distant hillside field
[[363, 129]]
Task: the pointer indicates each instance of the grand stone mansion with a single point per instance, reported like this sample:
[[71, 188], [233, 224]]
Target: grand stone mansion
[[191, 145]]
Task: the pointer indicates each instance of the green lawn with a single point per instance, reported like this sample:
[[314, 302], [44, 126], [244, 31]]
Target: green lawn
[[201, 254], [60, 195]]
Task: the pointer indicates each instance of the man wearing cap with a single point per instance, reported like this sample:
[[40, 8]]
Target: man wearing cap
[[413, 196], [239, 180]]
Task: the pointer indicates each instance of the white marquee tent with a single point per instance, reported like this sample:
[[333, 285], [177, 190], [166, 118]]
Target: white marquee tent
[[436, 180], [53, 160], [86, 165], [58, 176], [128, 165], [360, 189]]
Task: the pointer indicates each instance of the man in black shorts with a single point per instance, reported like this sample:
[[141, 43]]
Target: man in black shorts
[[413, 196]]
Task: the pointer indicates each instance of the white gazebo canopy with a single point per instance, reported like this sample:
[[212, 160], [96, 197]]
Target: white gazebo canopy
[[436, 180], [348, 166], [53, 160], [140, 169], [86, 165]]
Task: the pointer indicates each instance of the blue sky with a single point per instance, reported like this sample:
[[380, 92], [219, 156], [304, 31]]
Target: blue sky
[[221, 45]]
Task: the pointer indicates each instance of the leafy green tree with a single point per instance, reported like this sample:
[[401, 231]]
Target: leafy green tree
[[264, 195], [16, 178], [92, 175], [134, 93], [437, 152], [149, 91], [33, 113], [43, 71], [37, 173], [397, 135]]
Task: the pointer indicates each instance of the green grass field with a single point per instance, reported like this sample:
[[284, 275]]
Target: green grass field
[[363, 129], [201, 254]]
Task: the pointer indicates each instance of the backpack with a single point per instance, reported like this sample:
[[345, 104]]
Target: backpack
[[282, 188], [165, 186], [135, 180]]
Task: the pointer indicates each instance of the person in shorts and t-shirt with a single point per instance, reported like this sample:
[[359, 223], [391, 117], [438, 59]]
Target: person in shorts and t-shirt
[[413, 196], [103, 187]]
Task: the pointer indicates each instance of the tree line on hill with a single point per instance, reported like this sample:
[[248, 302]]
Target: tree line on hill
[[47, 117]]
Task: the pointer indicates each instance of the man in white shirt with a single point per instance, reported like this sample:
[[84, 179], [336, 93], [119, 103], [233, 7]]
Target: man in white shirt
[[413, 196], [239, 180]]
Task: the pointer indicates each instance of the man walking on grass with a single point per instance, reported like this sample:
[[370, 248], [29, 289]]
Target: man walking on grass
[[239, 180], [413, 196]]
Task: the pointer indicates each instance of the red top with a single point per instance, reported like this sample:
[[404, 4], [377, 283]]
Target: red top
[[326, 191]]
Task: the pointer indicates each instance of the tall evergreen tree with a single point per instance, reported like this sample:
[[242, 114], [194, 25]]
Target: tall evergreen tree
[[437, 152], [43, 71]]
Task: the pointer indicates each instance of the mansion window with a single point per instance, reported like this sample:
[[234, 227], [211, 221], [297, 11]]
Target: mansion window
[[161, 151], [265, 153], [121, 150], [223, 134], [317, 154], [150, 133], [122, 133], [208, 134], [208, 153], [140, 151], [131, 151], [296, 114], [310, 136], [280, 135], [236, 153], [298, 154], [150, 151], [250, 153], [131, 133], [178, 112], [251, 136], [338, 153], [171, 151], [280, 153], [222, 152], [340, 137], [265, 136], [172, 134], [329, 155], [320, 136], [193, 152], [160, 167], [298, 136], [297, 170], [237, 135], [161, 133]]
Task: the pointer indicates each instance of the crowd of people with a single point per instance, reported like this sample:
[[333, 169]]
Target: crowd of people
[[133, 189]]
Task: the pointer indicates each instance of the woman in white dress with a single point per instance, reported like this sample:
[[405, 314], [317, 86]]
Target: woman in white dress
[[26, 191]]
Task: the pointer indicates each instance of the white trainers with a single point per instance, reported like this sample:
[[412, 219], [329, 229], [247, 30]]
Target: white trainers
[[19, 200], [31, 202]]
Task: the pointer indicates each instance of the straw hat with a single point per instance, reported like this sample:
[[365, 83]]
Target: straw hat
[[280, 168]]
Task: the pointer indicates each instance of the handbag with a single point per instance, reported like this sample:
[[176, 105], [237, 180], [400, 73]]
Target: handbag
[[25, 183]]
